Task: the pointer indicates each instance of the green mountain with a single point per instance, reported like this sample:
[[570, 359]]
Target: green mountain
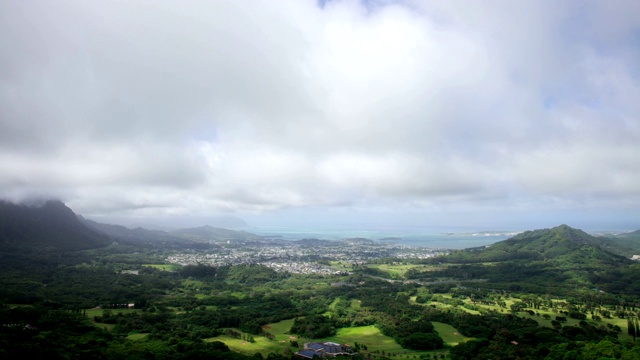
[[562, 246], [143, 237], [192, 238], [630, 240], [554, 260], [50, 225]]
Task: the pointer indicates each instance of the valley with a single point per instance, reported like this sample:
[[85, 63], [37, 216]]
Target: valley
[[233, 295]]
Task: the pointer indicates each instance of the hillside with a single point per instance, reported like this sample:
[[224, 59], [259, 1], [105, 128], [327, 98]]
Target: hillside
[[629, 240], [554, 259], [200, 237], [50, 225], [143, 237], [562, 245]]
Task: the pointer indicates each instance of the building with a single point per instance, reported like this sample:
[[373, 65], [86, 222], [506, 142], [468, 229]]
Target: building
[[325, 349]]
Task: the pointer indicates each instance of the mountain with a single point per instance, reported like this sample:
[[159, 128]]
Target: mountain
[[542, 260], [633, 234], [210, 233], [199, 237], [562, 245], [139, 236], [50, 225], [227, 222], [629, 240]]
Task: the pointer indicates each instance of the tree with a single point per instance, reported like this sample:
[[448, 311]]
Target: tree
[[421, 341], [518, 306]]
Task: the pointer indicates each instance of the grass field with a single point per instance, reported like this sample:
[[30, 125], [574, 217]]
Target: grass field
[[262, 345], [376, 342], [98, 311], [13, 306], [280, 330], [137, 336], [342, 266], [622, 323], [356, 304], [398, 271], [164, 267], [449, 334], [370, 336]]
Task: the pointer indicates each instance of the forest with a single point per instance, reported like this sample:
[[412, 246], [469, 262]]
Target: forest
[[93, 304], [550, 294]]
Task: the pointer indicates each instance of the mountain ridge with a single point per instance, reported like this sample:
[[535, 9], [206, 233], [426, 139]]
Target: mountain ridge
[[47, 225], [562, 244], [198, 237]]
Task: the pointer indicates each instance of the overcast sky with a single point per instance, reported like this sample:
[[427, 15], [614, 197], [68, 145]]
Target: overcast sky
[[509, 114]]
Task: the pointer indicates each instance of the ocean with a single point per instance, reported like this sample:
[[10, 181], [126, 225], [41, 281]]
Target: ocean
[[416, 237]]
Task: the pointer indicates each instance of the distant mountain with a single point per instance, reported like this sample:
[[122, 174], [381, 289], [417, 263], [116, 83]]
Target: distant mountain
[[141, 237], [629, 240], [210, 233], [50, 225], [634, 234], [227, 222], [562, 245], [200, 237]]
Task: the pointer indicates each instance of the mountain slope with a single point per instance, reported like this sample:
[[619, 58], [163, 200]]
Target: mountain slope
[[119, 232], [562, 245], [52, 225], [629, 240], [548, 260], [200, 237]]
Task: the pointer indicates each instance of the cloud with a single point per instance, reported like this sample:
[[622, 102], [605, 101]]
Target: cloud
[[155, 108]]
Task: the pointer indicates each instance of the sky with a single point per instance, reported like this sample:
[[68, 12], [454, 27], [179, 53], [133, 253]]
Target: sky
[[492, 114]]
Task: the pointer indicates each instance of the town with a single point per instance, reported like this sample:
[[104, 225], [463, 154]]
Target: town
[[308, 256]]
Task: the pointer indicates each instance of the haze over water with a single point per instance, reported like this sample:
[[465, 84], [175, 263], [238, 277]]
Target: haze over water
[[411, 236]]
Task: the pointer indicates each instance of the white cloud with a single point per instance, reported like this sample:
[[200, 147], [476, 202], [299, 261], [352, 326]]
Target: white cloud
[[154, 108]]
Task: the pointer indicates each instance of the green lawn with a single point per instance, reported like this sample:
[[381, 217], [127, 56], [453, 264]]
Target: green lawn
[[368, 335], [164, 267], [13, 306], [398, 271], [622, 323], [280, 330], [262, 345], [356, 304], [342, 266], [375, 341], [137, 336], [91, 313], [449, 334], [98, 311]]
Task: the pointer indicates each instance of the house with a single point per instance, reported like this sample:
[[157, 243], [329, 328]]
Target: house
[[325, 349]]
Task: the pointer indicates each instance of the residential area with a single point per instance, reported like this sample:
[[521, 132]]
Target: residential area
[[310, 256]]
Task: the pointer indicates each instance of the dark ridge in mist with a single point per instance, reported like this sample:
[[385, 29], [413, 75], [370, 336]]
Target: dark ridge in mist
[[45, 224]]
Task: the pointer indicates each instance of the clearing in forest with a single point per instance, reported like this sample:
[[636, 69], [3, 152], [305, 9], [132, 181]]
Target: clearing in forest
[[449, 334]]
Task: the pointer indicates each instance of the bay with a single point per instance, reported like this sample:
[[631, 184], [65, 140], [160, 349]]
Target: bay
[[413, 236]]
